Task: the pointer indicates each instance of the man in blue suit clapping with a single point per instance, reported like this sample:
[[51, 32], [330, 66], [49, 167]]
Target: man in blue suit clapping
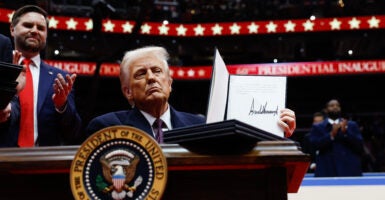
[[55, 120], [338, 143]]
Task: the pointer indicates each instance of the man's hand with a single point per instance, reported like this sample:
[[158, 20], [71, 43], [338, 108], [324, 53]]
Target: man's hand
[[5, 113], [344, 125], [335, 128], [62, 88], [287, 121], [21, 78], [20, 81]]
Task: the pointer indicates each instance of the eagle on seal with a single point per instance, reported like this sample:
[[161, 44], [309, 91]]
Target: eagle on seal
[[119, 167]]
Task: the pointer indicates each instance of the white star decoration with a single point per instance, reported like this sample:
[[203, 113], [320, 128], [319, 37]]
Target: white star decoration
[[335, 24], [373, 22], [235, 28], [271, 27], [289, 26], [127, 27], [354, 23], [71, 24], [89, 24], [253, 28], [308, 25], [199, 30], [190, 73], [109, 26], [181, 30], [145, 28], [226, 28], [201, 72], [10, 16], [180, 72], [163, 30], [217, 30], [52, 23]]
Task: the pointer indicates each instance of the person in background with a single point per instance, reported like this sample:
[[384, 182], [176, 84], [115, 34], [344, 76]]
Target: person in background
[[5, 49], [7, 55], [318, 117], [338, 143], [55, 120], [147, 84]]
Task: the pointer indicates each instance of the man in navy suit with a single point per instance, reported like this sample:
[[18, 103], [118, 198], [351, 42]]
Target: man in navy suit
[[56, 120], [146, 83], [5, 56], [5, 49], [338, 143]]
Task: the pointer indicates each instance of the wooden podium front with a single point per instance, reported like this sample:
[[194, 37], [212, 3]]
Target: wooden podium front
[[270, 171]]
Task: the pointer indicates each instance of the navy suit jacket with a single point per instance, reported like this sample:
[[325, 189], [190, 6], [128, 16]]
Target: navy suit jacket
[[54, 128], [340, 156], [136, 119], [5, 49]]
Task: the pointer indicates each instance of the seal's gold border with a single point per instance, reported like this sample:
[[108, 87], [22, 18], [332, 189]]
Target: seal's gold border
[[113, 133]]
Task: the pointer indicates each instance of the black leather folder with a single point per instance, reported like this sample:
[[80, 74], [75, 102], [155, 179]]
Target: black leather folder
[[226, 137], [9, 72], [8, 75], [6, 95]]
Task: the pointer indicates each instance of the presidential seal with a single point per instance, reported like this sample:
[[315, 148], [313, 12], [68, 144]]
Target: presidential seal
[[119, 163]]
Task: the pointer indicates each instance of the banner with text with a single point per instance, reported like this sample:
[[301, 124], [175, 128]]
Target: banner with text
[[204, 72]]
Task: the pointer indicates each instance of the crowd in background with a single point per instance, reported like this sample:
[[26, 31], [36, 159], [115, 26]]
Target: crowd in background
[[373, 132]]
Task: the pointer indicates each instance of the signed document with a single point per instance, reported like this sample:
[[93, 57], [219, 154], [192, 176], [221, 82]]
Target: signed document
[[257, 100], [218, 91]]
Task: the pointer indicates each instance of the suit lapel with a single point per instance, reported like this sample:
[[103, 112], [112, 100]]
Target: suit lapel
[[45, 84], [176, 119], [137, 120]]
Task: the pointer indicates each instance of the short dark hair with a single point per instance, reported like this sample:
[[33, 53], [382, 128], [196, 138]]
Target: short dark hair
[[333, 99], [318, 114], [25, 9]]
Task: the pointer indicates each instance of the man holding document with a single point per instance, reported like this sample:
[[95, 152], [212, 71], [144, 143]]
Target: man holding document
[[146, 83], [6, 56], [255, 100]]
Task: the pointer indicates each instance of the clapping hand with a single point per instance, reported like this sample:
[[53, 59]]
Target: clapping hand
[[62, 88], [21, 78]]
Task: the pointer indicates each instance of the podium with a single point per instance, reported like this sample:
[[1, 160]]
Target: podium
[[269, 171]]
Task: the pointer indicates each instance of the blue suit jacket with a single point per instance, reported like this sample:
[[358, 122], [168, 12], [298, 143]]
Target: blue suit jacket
[[5, 49], [136, 119], [53, 128], [338, 157]]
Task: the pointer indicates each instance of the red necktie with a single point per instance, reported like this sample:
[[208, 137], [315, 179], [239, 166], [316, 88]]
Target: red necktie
[[26, 133]]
